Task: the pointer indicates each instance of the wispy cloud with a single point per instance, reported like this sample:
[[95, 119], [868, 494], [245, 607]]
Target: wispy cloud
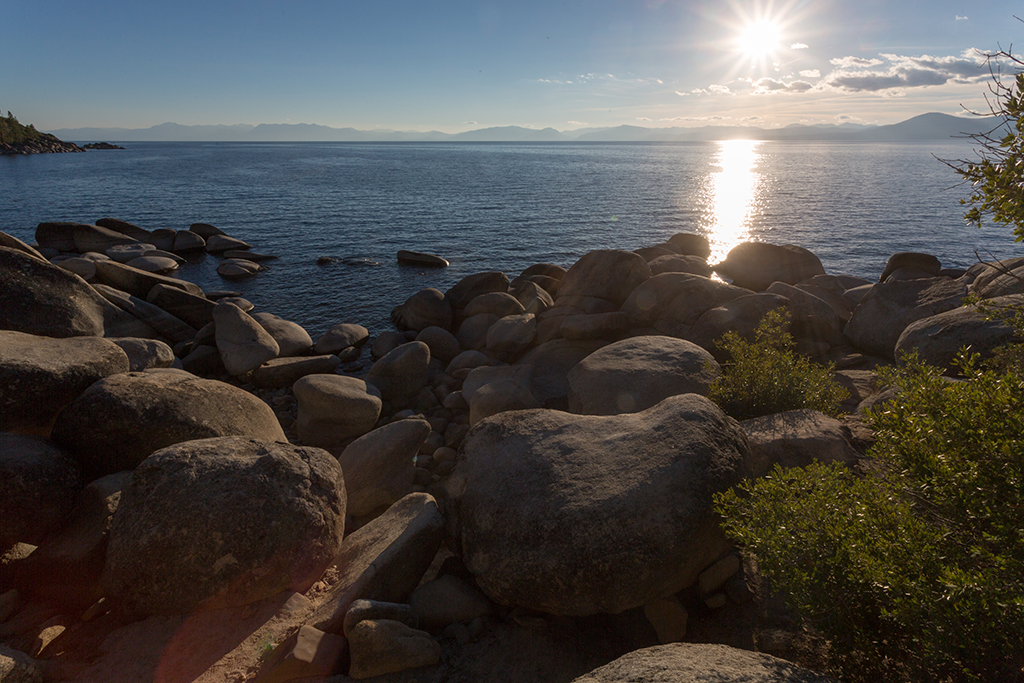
[[694, 118], [960, 18], [719, 89], [470, 123], [577, 123], [798, 46], [810, 73]]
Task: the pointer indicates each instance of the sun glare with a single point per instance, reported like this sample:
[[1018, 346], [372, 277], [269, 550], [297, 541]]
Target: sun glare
[[759, 39]]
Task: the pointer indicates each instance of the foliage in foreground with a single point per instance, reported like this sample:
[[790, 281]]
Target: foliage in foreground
[[997, 175], [919, 571], [767, 376]]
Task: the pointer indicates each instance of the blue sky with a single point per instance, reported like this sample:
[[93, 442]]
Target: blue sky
[[459, 65]]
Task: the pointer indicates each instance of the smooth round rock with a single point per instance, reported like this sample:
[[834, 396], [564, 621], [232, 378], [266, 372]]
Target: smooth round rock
[[577, 515], [221, 522], [118, 421], [700, 663], [38, 483], [40, 376], [638, 373], [334, 408]]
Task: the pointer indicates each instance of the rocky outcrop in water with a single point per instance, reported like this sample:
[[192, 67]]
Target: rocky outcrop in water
[[534, 454]]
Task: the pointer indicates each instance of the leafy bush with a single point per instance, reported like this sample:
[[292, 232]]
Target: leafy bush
[[767, 376], [920, 570]]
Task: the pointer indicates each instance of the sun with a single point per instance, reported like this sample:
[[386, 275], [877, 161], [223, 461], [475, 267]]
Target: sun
[[759, 40]]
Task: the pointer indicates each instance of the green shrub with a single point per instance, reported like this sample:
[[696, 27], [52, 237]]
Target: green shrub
[[919, 570], [767, 376]]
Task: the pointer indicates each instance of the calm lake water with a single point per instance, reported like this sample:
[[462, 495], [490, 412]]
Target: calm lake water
[[495, 206]]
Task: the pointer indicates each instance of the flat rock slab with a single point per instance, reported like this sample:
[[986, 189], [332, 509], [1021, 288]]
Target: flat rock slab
[[700, 663], [578, 515]]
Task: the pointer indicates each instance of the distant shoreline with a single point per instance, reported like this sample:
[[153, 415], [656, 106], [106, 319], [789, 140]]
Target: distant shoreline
[[931, 126]]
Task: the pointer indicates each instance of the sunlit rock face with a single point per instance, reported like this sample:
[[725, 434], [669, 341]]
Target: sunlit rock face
[[578, 515]]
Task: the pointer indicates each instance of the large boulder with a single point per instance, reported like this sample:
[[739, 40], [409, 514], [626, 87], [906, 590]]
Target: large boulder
[[12, 242], [195, 310], [402, 373], [43, 299], [472, 286], [334, 408], [911, 260], [677, 299], [291, 338], [756, 265], [118, 421], [550, 364], [39, 376], [243, 343], [65, 569], [700, 663], [138, 282], [225, 521], [609, 274], [124, 227], [144, 354], [638, 373], [939, 338], [57, 235], [578, 515], [379, 465], [340, 337], [426, 308], [741, 315], [38, 483], [151, 316], [96, 238], [796, 438], [690, 244], [499, 304], [889, 307], [284, 372]]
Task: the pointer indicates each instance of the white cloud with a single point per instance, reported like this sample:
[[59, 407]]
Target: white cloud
[[854, 62], [577, 123], [908, 72], [798, 46], [642, 118], [810, 73], [960, 18], [469, 123], [684, 94], [766, 86], [720, 89]]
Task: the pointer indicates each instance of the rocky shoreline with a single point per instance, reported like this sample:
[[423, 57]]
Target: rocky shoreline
[[514, 484], [44, 143]]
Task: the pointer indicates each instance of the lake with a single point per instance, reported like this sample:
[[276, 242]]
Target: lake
[[500, 206]]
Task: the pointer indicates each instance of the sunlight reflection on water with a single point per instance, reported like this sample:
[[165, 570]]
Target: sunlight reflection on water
[[734, 195]]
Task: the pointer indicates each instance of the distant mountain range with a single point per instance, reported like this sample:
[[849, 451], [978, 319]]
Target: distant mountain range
[[931, 126]]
